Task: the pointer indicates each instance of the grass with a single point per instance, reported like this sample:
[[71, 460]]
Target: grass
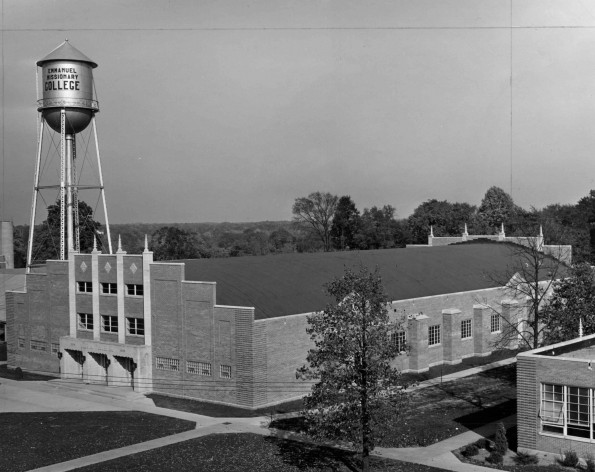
[[442, 411], [248, 452], [221, 411], [7, 373], [32, 440]]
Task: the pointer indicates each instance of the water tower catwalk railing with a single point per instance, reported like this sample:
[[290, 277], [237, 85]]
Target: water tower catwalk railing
[[68, 106]]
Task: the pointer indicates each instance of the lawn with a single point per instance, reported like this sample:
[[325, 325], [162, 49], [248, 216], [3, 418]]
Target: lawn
[[248, 452], [32, 440], [445, 410]]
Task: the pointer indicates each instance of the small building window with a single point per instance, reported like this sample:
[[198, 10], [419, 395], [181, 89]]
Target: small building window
[[225, 372], [495, 323], [398, 339], [135, 326], [38, 345], [109, 288], [134, 290], [85, 321], [433, 335], [167, 363], [200, 368], [109, 324], [84, 287], [55, 349], [466, 329], [21, 343], [566, 411]]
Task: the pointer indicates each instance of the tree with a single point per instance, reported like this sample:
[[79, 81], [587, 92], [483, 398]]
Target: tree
[[346, 222], [378, 228], [357, 392], [447, 219], [530, 276], [572, 303], [46, 243], [316, 212], [171, 243], [496, 208]]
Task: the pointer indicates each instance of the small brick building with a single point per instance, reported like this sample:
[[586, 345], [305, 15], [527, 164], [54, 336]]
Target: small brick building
[[556, 398], [234, 330]]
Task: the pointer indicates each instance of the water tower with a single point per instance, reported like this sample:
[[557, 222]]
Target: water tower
[[68, 105]]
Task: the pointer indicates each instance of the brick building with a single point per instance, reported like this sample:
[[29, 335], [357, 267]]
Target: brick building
[[556, 398], [234, 330]]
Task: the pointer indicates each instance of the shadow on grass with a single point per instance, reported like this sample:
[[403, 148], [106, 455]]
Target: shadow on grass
[[309, 456], [487, 415]]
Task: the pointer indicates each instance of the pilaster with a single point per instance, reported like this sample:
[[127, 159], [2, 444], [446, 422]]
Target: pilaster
[[418, 343], [481, 330], [451, 336]]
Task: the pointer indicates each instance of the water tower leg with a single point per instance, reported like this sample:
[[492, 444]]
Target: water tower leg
[[34, 198], [62, 181], [109, 238]]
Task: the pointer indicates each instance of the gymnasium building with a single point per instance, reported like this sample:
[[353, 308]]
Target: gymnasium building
[[234, 330]]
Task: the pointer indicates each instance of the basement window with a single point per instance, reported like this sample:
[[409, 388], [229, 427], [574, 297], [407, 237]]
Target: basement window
[[200, 368], [225, 372], [167, 363]]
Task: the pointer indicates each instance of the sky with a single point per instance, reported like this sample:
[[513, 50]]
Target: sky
[[230, 110]]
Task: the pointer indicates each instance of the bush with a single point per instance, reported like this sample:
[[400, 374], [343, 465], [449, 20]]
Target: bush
[[524, 458], [483, 443], [570, 458], [495, 458], [501, 443], [18, 373], [590, 464], [471, 450]]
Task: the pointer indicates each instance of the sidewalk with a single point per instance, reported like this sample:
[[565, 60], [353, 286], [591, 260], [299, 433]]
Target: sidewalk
[[63, 396]]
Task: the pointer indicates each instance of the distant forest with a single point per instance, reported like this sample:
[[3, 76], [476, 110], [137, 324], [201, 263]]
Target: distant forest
[[326, 222]]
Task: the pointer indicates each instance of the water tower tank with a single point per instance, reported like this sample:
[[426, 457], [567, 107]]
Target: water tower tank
[[67, 83]]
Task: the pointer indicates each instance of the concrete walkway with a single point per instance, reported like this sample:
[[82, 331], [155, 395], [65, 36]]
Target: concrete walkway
[[64, 396]]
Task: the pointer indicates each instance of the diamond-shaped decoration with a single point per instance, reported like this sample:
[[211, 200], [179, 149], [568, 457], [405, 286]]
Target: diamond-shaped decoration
[[83, 266], [133, 268], [108, 267]]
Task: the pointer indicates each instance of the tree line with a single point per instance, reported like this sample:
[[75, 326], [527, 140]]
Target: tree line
[[326, 222]]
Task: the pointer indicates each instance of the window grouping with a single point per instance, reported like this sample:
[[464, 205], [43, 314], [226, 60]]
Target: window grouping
[[109, 288], [134, 290], [568, 411], [398, 339], [200, 368], [434, 335], [21, 343], [55, 349], [495, 323], [466, 329], [225, 371], [85, 321], [135, 326], [38, 345], [167, 363], [84, 287], [109, 324]]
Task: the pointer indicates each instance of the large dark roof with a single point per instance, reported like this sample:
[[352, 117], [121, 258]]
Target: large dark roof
[[286, 284]]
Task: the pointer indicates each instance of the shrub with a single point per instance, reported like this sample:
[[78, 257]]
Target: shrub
[[570, 458], [482, 443], [495, 458], [501, 443], [18, 373], [524, 458], [470, 450], [590, 464]]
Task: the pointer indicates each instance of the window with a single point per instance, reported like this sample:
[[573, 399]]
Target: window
[[166, 363], [55, 349], [433, 335], [85, 321], [200, 368], [134, 290], [398, 339], [109, 287], [495, 323], [109, 324], [567, 411], [38, 345], [135, 326], [225, 372], [21, 343], [465, 329], [85, 287]]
